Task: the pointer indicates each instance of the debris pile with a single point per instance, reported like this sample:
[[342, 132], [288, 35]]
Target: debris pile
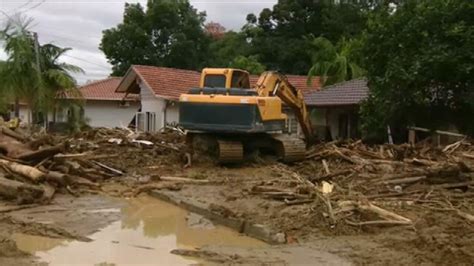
[[379, 185], [33, 168]]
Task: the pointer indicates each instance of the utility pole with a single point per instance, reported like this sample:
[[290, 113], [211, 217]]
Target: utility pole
[[38, 65], [38, 70]]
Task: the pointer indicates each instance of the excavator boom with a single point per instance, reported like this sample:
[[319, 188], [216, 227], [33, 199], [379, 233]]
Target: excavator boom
[[273, 83]]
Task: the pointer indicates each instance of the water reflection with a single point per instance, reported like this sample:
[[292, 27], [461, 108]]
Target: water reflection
[[148, 231]]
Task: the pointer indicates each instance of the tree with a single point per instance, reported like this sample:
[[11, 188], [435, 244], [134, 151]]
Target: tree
[[420, 66], [215, 30], [168, 33], [250, 64], [224, 50], [21, 77], [334, 64], [280, 36]]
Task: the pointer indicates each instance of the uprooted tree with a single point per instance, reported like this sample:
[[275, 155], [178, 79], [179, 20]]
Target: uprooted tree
[[420, 66]]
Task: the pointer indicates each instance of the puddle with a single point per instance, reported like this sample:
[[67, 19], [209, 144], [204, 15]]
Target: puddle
[[148, 231]]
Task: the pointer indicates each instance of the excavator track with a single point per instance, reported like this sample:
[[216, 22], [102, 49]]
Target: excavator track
[[291, 149], [230, 151]]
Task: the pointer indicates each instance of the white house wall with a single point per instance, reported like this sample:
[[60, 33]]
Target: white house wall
[[166, 112], [151, 103], [172, 114], [109, 113]]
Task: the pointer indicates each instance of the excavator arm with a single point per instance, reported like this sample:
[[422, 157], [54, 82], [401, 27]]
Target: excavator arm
[[273, 83]]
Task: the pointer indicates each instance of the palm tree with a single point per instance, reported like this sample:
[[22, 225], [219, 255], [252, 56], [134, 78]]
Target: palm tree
[[333, 64], [40, 84]]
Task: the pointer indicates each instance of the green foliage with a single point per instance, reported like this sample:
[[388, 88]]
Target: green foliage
[[224, 50], [250, 64], [334, 64], [76, 121], [20, 76], [281, 36], [168, 33], [420, 63]]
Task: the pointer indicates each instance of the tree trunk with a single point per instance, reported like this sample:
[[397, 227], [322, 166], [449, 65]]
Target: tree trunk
[[22, 192], [17, 107]]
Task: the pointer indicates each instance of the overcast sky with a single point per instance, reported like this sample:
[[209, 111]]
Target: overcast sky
[[79, 23]]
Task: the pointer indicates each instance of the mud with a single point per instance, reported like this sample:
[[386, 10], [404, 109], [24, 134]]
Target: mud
[[107, 230], [434, 238]]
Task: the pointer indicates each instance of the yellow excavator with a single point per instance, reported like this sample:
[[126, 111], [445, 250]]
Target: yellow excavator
[[235, 120]]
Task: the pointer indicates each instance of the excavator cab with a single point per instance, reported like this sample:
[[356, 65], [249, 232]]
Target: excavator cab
[[224, 78]]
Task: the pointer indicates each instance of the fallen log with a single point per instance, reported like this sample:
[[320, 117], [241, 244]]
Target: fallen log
[[48, 193], [77, 180], [379, 222], [150, 187], [12, 148], [468, 155], [110, 169], [21, 192], [464, 215], [184, 180], [27, 171], [283, 195], [404, 180], [61, 156], [262, 189], [332, 175], [13, 134], [326, 167], [41, 154], [385, 214]]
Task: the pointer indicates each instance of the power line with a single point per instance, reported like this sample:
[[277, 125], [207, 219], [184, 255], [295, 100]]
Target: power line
[[35, 6], [23, 5], [86, 61]]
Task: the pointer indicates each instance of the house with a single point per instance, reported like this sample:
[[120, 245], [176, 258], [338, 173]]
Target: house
[[159, 89], [335, 109], [102, 106]]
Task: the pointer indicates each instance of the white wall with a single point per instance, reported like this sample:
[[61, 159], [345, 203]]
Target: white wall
[[172, 113], [25, 114], [151, 103], [109, 113]]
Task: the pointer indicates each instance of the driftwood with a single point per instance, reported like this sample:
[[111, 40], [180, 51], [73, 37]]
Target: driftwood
[[41, 154], [22, 192], [389, 216], [48, 192], [326, 167], [184, 180], [160, 186], [110, 169], [12, 134], [31, 173], [404, 180], [464, 215]]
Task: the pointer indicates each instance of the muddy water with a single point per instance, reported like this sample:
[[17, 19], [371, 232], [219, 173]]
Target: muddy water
[[148, 231]]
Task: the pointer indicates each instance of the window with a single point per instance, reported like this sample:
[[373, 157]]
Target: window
[[240, 80], [214, 81]]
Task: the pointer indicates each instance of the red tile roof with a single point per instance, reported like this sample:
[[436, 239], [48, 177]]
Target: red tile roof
[[171, 82], [351, 92], [102, 90], [167, 82]]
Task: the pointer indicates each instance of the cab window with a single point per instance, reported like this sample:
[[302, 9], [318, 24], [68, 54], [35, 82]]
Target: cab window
[[214, 81], [240, 80]]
